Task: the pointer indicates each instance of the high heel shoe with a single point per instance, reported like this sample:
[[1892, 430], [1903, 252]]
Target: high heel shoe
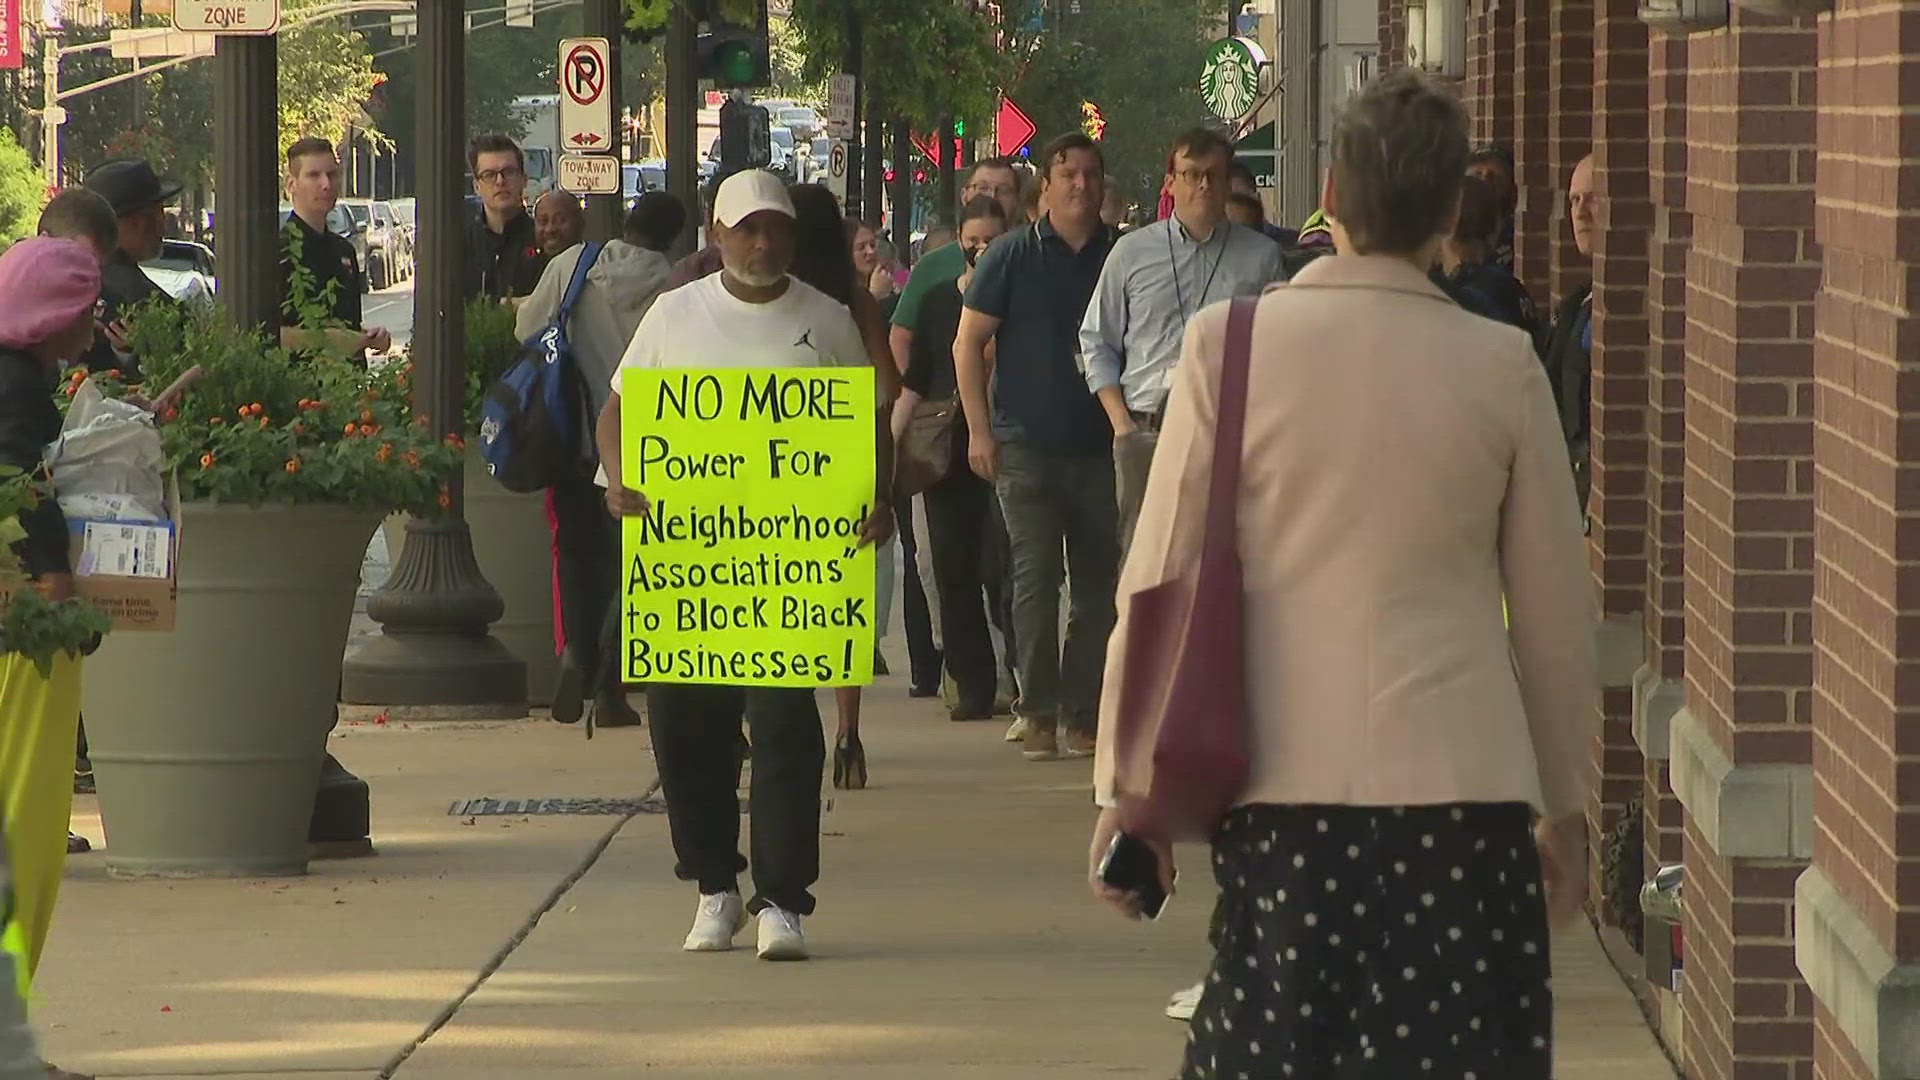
[[849, 763]]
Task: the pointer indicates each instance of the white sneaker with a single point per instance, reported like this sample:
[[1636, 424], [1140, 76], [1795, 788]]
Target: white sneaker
[[780, 936], [1185, 1001], [1018, 732], [721, 916]]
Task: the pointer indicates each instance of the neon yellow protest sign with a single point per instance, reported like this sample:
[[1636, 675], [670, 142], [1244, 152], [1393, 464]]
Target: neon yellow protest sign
[[746, 569]]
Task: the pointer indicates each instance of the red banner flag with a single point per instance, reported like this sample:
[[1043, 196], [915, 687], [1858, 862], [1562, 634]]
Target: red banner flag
[[13, 51]]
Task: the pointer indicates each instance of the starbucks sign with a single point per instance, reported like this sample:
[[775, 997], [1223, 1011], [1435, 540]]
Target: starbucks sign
[[1230, 81]]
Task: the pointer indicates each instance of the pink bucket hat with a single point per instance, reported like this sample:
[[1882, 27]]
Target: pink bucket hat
[[47, 284]]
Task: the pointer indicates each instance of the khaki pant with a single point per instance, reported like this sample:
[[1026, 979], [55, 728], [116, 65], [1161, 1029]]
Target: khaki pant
[[1132, 458]]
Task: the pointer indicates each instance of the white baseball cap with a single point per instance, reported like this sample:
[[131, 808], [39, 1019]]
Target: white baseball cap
[[746, 193]]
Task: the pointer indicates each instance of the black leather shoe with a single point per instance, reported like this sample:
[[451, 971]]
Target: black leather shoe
[[342, 806], [570, 691], [612, 710]]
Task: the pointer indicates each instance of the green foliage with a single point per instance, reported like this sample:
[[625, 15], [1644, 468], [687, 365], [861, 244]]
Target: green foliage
[[1139, 61], [30, 624], [326, 74], [925, 58], [261, 426], [491, 347], [22, 190]]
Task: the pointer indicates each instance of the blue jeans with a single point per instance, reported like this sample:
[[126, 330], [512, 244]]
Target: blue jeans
[[1063, 525]]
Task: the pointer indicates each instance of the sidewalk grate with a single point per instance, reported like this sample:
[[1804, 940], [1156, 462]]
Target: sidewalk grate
[[490, 807]]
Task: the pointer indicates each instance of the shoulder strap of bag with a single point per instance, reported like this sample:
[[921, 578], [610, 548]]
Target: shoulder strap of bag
[[1223, 498], [589, 255]]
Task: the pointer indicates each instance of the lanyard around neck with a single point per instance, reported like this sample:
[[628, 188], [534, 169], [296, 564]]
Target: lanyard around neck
[[1179, 295]]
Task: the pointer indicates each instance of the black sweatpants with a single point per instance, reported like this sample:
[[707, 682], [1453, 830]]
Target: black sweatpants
[[695, 732], [589, 558]]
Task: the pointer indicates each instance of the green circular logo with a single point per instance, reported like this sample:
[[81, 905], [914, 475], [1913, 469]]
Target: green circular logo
[[1230, 81]]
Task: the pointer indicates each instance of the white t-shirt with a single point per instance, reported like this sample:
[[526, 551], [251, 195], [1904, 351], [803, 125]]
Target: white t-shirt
[[702, 325]]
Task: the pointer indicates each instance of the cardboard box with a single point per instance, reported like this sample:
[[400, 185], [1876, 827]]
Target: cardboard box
[[129, 570]]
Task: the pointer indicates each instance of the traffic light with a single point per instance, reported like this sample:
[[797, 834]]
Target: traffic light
[[746, 137], [733, 48]]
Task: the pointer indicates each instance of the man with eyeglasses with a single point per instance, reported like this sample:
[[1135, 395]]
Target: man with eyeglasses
[[503, 252], [1159, 276]]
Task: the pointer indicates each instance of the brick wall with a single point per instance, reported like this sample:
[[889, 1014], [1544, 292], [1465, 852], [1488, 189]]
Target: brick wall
[[1570, 99], [1490, 71], [1751, 277], [1664, 611], [1540, 188], [1618, 507], [1748, 1017], [1866, 709]]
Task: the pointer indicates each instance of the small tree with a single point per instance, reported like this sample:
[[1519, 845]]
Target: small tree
[[22, 191]]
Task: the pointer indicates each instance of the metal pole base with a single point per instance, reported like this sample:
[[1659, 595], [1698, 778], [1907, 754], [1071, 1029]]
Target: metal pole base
[[434, 648]]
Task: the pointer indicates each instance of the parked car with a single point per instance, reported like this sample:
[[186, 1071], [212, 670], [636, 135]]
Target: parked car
[[636, 179], [802, 120], [387, 254], [408, 210], [388, 214], [784, 161], [183, 269], [340, 222]]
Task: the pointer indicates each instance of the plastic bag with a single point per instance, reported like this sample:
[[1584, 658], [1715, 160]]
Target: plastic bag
[[106, 463]]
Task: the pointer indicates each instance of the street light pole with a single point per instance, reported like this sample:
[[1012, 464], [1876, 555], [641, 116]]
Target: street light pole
[[434, 651], [51, 114], [246, 138], [607, 19]]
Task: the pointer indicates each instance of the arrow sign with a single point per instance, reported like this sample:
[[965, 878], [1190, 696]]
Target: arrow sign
[[1012, 128], [586, 110], [929, 148]]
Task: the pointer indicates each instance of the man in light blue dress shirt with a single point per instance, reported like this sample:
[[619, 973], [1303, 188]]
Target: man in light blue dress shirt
[[1157, 278]]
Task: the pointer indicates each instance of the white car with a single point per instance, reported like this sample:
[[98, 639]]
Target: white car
[[184, 271]]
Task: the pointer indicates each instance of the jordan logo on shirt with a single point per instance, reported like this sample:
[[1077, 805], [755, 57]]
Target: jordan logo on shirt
[[807, 340]]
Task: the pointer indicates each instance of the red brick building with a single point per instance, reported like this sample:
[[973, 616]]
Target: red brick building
[[1756, 465]]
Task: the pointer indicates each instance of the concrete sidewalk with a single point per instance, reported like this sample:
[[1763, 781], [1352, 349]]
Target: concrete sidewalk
[[955, 937]]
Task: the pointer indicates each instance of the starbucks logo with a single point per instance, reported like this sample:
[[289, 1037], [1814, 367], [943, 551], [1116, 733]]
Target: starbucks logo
[[1230, 81]]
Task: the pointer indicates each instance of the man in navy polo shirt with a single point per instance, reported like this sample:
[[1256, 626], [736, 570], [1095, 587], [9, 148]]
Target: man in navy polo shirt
[[1045, 443]]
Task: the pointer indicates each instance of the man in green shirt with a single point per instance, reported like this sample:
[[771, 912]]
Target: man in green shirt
[[995, 178]]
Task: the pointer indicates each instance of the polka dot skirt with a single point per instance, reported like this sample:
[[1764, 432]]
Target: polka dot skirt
[[1355, 943]]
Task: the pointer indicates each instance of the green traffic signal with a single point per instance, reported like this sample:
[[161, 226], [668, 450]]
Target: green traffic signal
[[734, 62]]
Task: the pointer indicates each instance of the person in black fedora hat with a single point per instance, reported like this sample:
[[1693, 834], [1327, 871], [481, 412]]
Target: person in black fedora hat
[[139, 198]]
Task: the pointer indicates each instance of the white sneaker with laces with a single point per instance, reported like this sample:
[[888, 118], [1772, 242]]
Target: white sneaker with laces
[[780, 936], [721, 916], [1185, 1001]]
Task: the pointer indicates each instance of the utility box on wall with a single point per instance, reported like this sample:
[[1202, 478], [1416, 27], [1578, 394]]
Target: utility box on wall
[[1437, 37], [1684, 16]]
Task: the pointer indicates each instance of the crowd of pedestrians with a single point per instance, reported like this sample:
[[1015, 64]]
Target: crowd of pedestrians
[[1420, 673]]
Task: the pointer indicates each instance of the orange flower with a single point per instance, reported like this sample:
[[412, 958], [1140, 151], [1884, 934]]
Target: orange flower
[[349, 430], [245, 411], [169, 413], [206, 461], [366, 416], [72, 388], [263, 423], [456, 442], [384, 453], [368, 429], [413, 458], [110, 373], [446, 501], [293, 465]]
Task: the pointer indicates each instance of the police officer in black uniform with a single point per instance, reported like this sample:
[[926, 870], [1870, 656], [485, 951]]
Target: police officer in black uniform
[[333, 276]]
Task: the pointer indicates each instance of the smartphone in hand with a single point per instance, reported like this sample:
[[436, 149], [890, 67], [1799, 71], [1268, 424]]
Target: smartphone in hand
[[1132, 867]]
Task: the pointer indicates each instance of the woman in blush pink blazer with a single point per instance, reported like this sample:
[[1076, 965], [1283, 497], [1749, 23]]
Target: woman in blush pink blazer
[[1414, 818]]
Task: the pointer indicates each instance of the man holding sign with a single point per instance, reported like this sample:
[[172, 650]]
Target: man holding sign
[[747, 457]]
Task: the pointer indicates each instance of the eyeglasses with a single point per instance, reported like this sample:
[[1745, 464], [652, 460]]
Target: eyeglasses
[[498, 176], [1196, 177]]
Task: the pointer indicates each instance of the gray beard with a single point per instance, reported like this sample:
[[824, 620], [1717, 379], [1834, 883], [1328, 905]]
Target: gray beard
[[753, 281]]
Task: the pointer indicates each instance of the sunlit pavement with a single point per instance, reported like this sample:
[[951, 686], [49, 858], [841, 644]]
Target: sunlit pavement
[[955, 937]]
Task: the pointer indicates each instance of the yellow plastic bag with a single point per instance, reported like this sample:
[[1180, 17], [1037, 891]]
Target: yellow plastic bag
[[39, 727]]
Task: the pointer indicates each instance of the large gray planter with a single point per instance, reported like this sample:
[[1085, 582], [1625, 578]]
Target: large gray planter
[[207, 741], [514, 546]]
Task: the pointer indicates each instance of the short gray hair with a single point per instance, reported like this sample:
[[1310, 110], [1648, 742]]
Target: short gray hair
[[1399, 159]]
